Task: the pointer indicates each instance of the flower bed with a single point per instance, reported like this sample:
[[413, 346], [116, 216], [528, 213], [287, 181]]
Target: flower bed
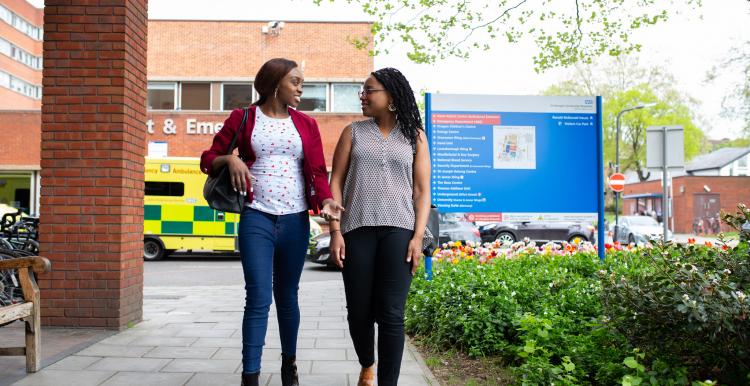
[[662, 314]]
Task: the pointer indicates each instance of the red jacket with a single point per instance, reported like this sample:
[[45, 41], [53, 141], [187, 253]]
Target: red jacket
[[313, 163]]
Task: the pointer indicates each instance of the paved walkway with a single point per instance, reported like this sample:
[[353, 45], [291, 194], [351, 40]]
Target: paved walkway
[[191, 336]]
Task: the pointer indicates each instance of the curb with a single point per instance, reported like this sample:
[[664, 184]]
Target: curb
[[425, 370]]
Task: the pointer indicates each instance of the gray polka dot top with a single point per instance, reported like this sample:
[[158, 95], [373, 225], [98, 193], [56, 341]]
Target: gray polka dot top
[[379, 183]]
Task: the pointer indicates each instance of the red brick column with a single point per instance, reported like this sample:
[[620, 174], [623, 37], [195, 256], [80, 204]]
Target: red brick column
[[93, 142]]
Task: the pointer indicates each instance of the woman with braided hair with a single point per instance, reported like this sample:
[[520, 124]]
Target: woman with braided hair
[[381, 174]]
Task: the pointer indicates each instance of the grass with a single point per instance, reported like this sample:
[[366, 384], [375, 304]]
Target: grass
[[453, 368]]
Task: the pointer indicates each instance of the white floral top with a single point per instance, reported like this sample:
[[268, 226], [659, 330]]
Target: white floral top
[[279, 185]]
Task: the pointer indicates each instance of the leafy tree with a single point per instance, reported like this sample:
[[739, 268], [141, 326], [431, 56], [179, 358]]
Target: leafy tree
[[737, 142], [624, 84], [565, 32]]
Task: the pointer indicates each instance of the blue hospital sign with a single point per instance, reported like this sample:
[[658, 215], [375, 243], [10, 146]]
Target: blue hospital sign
[[516, 158]]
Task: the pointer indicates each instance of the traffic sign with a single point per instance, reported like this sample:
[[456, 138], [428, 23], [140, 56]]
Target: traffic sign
[[617, 182]]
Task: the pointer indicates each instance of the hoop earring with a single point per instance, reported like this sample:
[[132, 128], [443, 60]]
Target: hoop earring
[[275, 93], [391, 107]]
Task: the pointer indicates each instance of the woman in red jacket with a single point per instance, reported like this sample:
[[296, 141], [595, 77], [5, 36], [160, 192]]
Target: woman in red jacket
[[281, 170]]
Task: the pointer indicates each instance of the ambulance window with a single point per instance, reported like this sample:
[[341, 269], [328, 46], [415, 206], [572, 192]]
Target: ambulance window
[[174, 189]]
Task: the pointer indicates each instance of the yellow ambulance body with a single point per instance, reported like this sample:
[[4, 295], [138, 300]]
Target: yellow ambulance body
[[176, 216]]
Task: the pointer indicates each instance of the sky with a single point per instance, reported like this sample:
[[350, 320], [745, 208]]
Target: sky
[[687, 45]]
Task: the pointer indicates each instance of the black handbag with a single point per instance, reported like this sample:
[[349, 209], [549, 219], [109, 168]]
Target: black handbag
[[218, 190]]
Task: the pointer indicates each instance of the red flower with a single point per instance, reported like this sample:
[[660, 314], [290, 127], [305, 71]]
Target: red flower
[[709, 244], [725, 247], [691, 241], [607, 246]]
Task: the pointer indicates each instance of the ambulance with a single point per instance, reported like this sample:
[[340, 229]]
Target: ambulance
[[177, 217]]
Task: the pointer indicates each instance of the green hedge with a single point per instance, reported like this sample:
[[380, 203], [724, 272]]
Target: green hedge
[[647, 315]]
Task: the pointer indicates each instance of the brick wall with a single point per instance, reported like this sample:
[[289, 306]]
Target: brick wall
[[92, 162], [21, 137], [731, 190], [24, 129], [217, 49]]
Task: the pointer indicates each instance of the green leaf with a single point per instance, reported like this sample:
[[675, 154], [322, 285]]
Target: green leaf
[[631, 362]]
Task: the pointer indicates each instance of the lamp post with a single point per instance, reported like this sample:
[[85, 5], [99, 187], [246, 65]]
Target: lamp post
[[617, 159]]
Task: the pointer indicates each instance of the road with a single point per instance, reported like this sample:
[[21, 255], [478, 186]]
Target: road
[[185, 270]]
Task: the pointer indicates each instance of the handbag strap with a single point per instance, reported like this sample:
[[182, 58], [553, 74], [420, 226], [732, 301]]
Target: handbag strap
[[237, 133]]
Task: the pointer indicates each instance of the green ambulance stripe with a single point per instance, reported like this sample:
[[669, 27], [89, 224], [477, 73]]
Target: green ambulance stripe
[[200, 213]]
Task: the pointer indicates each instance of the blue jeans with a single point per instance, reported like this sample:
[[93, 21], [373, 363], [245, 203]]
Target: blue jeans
[[272, 248]]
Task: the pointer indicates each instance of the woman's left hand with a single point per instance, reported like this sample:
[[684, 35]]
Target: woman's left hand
[[331, 210], [414, 254]]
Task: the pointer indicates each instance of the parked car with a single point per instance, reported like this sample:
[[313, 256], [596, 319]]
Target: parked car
[[452, 228], [640, 229], [455, 228], [539, 231]]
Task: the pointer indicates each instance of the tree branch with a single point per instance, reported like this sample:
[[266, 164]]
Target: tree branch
[[471, 31]]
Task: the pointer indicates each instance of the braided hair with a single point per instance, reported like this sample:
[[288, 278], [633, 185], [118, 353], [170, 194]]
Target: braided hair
[[407, 112]]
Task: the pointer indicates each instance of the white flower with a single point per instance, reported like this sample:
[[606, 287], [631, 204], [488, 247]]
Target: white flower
[[602, 272], [693, 268], [512, 294], [727, 272], [685, 297], [740, 296]]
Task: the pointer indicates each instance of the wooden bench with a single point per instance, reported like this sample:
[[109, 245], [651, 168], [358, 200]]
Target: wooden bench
[[28, 311]]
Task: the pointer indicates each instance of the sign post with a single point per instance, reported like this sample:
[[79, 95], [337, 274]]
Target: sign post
[[661, 156], [617, 184]]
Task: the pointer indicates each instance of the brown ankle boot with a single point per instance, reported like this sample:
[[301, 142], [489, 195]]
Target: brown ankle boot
[[367, 376], [250, 379]]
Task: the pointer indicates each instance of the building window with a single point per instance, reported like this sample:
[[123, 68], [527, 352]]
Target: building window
[[742, 162], [20, 24], [345, 98], [161, 95], [171, 189], [236, 96], [195, 96], [6, 15], [4, 79], [20, 86], [314, 97], [5, 47], [20, 55]]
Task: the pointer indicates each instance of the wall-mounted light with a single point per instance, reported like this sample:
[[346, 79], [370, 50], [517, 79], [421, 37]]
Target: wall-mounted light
[[706, 189], [682, 189]]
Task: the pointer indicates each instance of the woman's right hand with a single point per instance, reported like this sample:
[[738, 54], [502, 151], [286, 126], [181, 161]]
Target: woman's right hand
[[239, 175], [338, 249]]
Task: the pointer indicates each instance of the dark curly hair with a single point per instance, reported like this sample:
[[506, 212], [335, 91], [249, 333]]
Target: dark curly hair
[[407, 112]]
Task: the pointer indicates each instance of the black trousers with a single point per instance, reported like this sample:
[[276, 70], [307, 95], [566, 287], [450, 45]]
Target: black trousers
[[377, 279]]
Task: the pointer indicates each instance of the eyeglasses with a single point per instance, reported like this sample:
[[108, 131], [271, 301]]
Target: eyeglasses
[[365, 92]]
